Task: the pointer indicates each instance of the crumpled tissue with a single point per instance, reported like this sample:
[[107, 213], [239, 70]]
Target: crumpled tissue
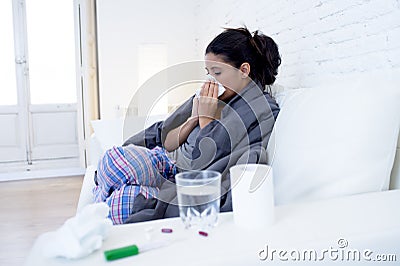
[[80, 235], [221, 88]]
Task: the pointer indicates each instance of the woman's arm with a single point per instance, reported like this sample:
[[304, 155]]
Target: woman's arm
[[178, 135]]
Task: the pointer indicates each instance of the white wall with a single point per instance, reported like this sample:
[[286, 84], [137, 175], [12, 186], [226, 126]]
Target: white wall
[[123, 27], [317, 38]]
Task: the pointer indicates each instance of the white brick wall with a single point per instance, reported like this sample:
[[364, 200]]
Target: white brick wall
[[317, 38]]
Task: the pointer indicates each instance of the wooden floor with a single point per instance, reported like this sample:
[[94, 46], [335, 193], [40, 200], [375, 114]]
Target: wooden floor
[[30, 208]]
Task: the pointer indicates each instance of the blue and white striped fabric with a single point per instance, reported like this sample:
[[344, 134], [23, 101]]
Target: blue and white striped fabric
[[124, 172]]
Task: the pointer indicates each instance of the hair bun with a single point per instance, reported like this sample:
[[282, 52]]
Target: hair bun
[[239, 45]]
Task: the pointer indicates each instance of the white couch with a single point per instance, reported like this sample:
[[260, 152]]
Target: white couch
[[332, 140]]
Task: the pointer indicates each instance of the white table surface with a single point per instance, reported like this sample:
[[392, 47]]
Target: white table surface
[[366, 221]]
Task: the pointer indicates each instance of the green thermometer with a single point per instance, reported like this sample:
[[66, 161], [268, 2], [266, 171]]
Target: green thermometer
[[132, 250]]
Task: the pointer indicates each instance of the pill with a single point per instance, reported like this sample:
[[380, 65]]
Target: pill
[[202, 233], [166, 230]]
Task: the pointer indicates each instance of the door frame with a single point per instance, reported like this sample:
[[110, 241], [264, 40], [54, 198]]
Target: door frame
[[24, 109]]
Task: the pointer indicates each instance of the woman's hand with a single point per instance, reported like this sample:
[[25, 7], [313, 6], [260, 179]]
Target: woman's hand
[[208, 103]]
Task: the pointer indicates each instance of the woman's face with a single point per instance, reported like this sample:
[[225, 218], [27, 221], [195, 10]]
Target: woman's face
[[232, 79]]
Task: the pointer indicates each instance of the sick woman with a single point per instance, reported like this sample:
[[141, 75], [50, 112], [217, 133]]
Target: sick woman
[[228, 122]]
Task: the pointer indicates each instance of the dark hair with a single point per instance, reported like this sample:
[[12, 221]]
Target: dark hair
[[237, 46]]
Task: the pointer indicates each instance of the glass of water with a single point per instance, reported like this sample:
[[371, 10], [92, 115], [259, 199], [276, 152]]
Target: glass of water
[[198, 198]]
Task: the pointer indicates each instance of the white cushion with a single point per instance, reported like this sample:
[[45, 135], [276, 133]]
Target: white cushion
[[112, 132], [282, 94], [109, 132], [335, 140]]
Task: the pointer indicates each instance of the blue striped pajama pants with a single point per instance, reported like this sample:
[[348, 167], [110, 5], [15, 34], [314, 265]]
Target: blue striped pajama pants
[[125, 172]]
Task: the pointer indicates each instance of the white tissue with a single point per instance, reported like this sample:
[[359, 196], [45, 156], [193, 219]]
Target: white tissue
[[80, 235], [221, 88]]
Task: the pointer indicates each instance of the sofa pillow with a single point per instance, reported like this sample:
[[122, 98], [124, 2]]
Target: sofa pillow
[[335, 139], [282, 94], [111, 132]]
